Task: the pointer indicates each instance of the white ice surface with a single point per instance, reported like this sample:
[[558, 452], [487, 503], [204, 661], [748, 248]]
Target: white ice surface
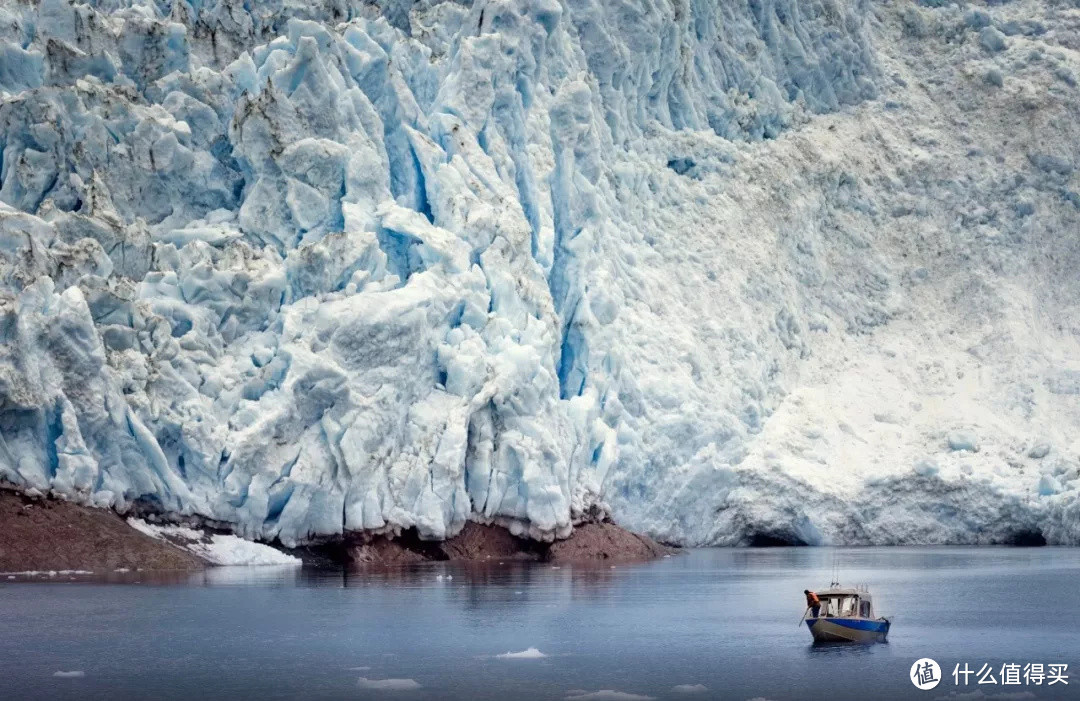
[[528, 654], [606, 695], [216, 548], [388, 684], [734, 272]]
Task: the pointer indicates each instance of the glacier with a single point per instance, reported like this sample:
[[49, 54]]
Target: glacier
[[730, 271]]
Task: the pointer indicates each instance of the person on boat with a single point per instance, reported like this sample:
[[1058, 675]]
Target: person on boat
[[813, 602]]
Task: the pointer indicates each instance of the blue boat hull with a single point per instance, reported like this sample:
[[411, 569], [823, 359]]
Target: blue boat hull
[[848, 630]]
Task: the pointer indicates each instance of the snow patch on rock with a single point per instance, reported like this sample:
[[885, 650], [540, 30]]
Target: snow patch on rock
[[215, 548]]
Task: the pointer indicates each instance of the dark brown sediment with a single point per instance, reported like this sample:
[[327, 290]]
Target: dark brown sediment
[[43, 534], [39, 533], [589, 542], [605, 541]]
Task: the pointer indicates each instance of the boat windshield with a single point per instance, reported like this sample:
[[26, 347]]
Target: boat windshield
[[842, 605]]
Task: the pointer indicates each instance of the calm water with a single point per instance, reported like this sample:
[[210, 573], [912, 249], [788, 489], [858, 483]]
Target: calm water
[[725, 619]]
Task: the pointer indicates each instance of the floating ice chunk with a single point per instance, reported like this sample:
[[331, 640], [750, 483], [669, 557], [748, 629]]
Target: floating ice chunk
[[388, 684], [607, 695], [689, 688], [70, 675], [529, 654]]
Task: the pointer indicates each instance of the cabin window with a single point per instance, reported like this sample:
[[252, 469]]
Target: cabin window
[[839, 606], [864, 609]]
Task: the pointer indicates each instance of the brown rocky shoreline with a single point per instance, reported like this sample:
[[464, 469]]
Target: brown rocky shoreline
[[590, 542], [42, 534], [45, 534]]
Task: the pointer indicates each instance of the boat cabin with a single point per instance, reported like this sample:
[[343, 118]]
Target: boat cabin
[[846, 603]]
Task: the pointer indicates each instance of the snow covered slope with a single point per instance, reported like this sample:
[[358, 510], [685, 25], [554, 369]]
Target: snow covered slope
[[778, 270]]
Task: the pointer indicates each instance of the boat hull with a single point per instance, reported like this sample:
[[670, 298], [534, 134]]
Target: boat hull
[[848, 630]]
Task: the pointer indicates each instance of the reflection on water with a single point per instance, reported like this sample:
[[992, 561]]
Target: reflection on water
[[725, 619], [483, 581], [485, 578], [845, 650]]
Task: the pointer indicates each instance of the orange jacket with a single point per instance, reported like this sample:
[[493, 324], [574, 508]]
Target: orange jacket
[[812, 599]]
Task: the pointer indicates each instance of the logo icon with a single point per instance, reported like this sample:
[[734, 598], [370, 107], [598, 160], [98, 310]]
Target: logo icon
[[925, 674]]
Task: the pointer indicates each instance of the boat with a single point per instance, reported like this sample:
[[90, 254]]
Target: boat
[[846, 616]]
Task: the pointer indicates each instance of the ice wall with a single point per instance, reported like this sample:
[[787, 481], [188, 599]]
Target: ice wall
[[313, 267]]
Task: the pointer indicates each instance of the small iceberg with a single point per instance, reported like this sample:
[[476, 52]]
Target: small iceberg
[[530, 654], [388, 684], [606, 695], [70, 675], [689, 688]]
